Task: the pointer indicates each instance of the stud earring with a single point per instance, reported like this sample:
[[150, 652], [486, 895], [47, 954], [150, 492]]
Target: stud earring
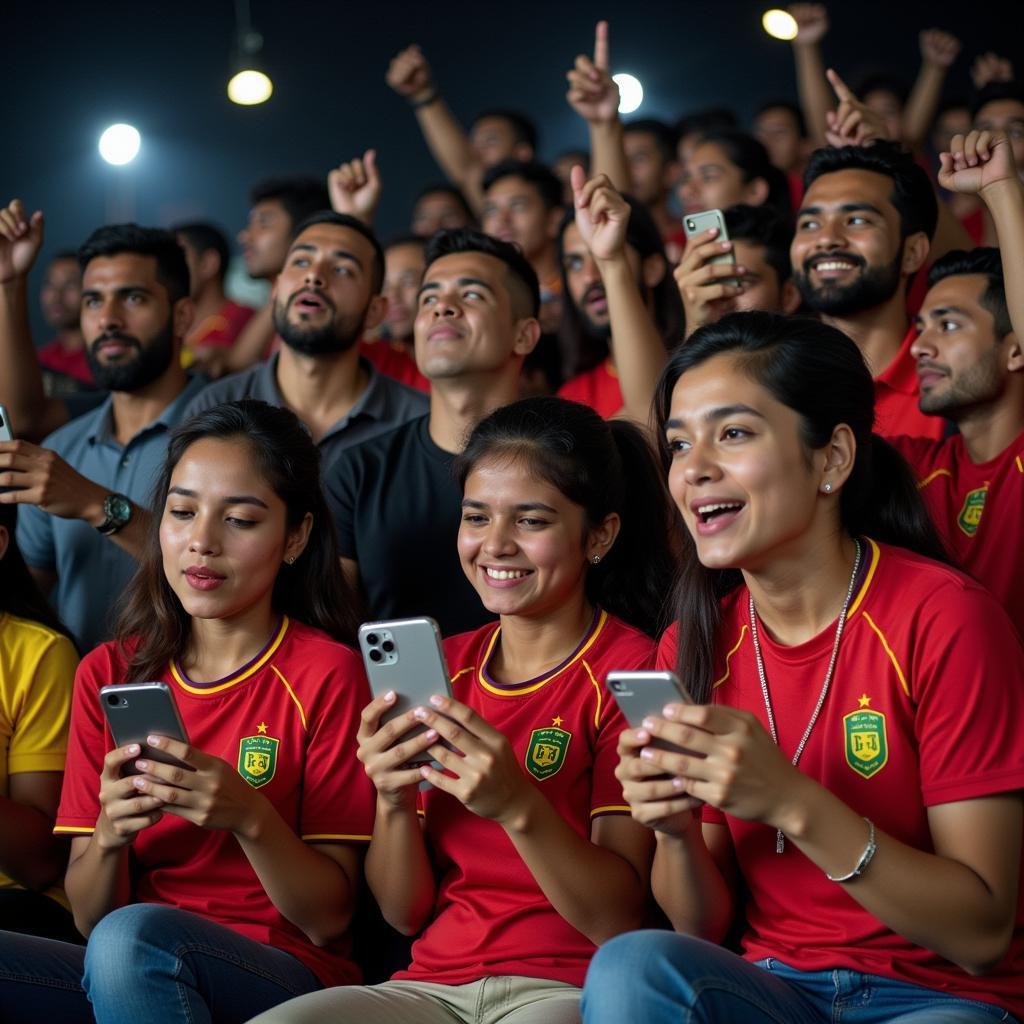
[[596, 560], [290, 559], [827, 488]]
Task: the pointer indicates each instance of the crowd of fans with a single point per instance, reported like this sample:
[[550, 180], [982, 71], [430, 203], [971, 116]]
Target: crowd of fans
[[782, 457]]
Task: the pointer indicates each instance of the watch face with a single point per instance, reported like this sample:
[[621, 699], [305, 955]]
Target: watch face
[[119, 508]]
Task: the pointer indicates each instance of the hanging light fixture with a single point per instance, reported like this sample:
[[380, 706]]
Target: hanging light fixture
[[250, 84]]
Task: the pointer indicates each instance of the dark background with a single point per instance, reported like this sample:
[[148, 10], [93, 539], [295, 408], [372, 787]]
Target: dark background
[[70, 69]]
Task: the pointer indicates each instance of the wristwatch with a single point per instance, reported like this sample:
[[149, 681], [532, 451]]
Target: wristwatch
[[117, 511]]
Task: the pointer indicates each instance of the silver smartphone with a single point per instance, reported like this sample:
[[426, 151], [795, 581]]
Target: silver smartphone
[[6, 434], [640, 694], [697, 223], [405, 655], [137, 710]]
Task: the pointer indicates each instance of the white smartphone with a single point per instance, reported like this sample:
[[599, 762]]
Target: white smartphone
[[405, 655], [6, 434], [137, 710], [697, 223], [640, 694]]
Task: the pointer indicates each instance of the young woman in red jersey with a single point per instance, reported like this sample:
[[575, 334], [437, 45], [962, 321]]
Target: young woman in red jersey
[[856, 744], [526, 857], [213, 891]]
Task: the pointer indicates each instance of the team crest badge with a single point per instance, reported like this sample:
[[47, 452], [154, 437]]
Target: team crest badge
[[546, 751], [970, 515], [257, 759], [866, 748]]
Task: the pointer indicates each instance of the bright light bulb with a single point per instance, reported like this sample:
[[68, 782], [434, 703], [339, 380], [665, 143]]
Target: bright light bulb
[[250, 87], [119, 144], [779, 24], [631, 92]]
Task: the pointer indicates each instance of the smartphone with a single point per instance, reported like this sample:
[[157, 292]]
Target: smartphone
[[697, 223], [640, 694], [405, 655], [137, 710], [6, 434]]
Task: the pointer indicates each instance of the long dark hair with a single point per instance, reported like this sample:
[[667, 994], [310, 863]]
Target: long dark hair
[[19, 594], [819, 373], [312, 591], [603, 468]]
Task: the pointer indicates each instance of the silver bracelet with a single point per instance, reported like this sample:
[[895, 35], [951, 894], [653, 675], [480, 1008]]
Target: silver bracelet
[[865, 857]]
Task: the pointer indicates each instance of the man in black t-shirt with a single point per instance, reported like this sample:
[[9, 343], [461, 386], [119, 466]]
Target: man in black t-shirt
[[394, 502]]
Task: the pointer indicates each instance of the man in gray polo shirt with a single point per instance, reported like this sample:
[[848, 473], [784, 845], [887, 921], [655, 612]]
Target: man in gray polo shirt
[[325, 298], [85, 493]]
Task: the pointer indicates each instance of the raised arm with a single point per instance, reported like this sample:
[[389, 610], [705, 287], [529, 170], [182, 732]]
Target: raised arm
[[938, 51], [32, 412], [811, 84], [410, 76], [982, 164], [355, 187], [595, 97]]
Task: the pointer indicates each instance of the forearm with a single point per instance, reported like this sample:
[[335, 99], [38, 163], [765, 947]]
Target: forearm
[[607, 155], [922, 104], [309, 888], [689, 887], [398, 869], [813, 89], [33, 414], [594, 889], [950, 234], [450, 147], [637, 348], [97, 882], [133, 537], [29, 851], [1005, 201], [933, 901]]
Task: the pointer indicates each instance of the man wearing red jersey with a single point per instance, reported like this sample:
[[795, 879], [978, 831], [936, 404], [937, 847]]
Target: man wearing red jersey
[[971, 368], [862, 233], [60, 298]]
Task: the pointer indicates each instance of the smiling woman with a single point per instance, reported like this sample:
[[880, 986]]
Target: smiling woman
[[238, 606]]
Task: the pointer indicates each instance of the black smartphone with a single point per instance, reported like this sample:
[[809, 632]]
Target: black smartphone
[[137, 710]]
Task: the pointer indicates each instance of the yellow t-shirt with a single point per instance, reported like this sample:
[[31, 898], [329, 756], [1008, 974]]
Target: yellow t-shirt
[[37, 674]]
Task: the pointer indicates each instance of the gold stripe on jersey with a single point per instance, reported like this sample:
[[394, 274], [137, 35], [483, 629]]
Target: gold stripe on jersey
[[922, 484], [869, 576], [242, 676], [1020, 465], [597, 690], [76, 829], [334, 837], [462, 672], [728, 657], [888, 651], [611, 809], [518, 691], [291, 693]]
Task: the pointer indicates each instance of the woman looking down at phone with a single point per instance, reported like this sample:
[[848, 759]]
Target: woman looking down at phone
[[859, 755], [526, 857], [213, 891], [37, 669]]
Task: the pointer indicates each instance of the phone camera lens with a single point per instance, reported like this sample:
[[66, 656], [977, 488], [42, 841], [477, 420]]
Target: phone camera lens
[[689, 224], [375, 655], [372, 639], [113, 700], [388, 646]]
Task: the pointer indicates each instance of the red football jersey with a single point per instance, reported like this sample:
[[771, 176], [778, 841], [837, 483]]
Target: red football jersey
[[924, 709], [394, 362], [222, 328], [491, 917], [53, 356], [896, 396], [965, 499], [598, 388], [288, 722]]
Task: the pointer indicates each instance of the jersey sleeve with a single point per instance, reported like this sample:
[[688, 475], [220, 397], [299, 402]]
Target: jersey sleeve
[[967, 685], [338, 798], [668, 645], [35, 538], [39, 742], [89, 742]]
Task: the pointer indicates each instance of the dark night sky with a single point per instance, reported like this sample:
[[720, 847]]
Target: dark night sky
[[72, 68]]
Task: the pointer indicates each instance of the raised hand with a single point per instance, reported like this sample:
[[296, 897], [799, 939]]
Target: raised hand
[[593, 93], [852, 123], [990, 67], [706, 287], [124, 811], [355, 187], [976, 161], [409, 74], [21, 238], [602, 215], [938, 47], [811, 23]]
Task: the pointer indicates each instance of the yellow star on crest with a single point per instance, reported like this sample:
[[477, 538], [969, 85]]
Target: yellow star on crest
[[262, 728], [557, 720], [864, 701]]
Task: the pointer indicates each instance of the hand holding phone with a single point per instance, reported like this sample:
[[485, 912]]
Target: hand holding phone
[[707, 276], [135, 711], [644, 694]]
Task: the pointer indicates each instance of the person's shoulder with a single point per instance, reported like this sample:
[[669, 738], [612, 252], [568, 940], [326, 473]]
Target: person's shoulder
[[461, 649], [621, 634], [317, 643], [229, 389], [384, 444], [107, 662], [33, 636], [921, 450], [410, 401]]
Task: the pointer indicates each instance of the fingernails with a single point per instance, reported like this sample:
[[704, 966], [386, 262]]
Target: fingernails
[[647, 754], [437, 700], [431, 734], [643, 735], [143, 766], [389, 696], [714, 231], [648, 723], [669, 711], [139, 783], [420, 713], [678, 783], [132, 748], [154, 741], [723, 245]]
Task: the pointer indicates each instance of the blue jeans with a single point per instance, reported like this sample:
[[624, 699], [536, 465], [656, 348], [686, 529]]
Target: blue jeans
[[659, 977], [146, 964]]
